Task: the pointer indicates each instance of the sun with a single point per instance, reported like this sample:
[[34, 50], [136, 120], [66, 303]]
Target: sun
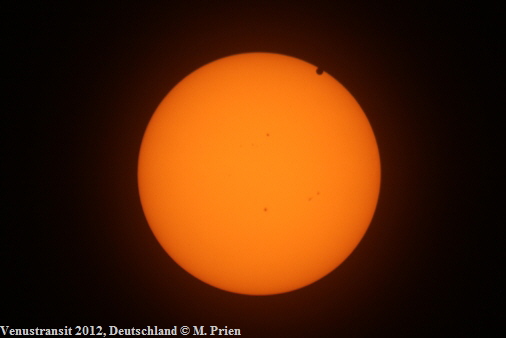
[[259, 173]]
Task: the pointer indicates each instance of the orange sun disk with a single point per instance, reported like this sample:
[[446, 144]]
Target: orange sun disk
[[259, 175]]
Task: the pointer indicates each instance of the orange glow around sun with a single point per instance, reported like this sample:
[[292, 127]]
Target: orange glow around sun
[[259, 175]]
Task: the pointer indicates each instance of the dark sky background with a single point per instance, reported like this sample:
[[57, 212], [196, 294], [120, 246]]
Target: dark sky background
[[83, 82]]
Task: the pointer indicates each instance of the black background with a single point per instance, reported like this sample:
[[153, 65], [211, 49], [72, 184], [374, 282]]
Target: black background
[[83, 81]]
